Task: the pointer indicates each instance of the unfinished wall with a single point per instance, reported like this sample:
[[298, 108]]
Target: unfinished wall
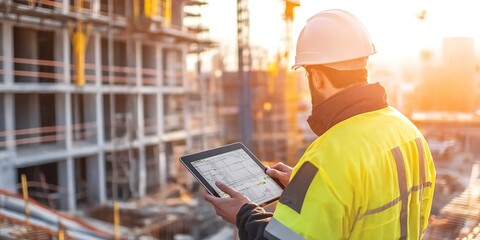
[[107, 119]]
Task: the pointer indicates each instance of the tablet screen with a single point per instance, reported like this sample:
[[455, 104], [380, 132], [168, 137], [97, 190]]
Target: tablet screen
[[239, 171]]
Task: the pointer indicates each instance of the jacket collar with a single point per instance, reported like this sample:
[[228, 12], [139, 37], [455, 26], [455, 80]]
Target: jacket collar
[[347, 103]]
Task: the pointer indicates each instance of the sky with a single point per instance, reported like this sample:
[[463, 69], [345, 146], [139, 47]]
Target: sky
[[393, 25]]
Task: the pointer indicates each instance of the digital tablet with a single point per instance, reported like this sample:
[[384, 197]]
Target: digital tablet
[[235, 166]]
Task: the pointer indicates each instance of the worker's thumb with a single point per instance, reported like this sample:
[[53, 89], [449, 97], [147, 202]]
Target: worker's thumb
[[228, 190]]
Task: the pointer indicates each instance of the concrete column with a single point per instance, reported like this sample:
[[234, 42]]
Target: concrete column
[[184, 52], [65, 6], [95, 7], [99, 120], [162, 166], [186, 111], [95, 178], [7, 46], [89, 109], [66, 175], [142, 171], [138, 63], [8, 171], [65, 43], [186, 125], [97, 42], [68, 122], [159, 64], [61, 106], [9, 100], [142, 167], [159, 95], [8, 178], [97, 166], [9, 121], [9, 174]]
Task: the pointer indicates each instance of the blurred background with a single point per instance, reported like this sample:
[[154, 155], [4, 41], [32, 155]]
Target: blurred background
[[100, 98]]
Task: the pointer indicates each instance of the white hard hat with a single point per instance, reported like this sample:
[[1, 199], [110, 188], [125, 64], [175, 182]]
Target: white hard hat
[[334, 38]]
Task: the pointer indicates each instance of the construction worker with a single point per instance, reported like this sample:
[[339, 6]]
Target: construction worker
[[368, 175]]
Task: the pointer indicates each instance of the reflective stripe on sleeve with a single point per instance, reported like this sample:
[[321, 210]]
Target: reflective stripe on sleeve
[[402, 185], [276, 230]]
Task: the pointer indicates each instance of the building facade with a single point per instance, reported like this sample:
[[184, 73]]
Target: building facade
[[96, 102]]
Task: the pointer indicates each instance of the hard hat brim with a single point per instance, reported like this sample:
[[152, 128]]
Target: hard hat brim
[[348, 65]]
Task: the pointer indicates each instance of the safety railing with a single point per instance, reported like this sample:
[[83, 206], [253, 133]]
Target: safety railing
[[86, 5], [31, 70], [38, 70], [48, 134], [120, 75], [149, 76], [173, 78]]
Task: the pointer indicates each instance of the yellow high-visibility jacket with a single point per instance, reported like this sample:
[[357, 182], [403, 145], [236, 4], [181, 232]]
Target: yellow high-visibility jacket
[[370, 176]]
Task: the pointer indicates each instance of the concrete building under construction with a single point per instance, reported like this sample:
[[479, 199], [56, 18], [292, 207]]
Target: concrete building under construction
[[96, 102]]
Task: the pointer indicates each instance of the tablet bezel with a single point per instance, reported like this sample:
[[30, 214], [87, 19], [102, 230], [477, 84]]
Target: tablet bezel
[[188, 159]]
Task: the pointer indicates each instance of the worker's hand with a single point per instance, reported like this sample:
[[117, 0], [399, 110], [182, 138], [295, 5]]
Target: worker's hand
[[227, 208], [281, 172]]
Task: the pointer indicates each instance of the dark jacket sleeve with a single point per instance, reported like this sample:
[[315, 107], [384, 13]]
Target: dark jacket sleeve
[[251, 221]]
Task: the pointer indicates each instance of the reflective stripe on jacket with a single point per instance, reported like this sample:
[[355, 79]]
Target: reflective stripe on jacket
[[368, 177]]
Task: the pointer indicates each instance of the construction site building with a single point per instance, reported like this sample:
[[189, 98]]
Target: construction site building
[[96, 102], [276, 135]]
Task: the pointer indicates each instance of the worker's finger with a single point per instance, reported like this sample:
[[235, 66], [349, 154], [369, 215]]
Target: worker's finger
[[203, 192], [211, 199], [274, 173], [228, 190], [281, 167]]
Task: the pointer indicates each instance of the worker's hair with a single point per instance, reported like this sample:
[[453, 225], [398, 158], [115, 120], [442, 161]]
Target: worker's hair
[[342, 79]]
